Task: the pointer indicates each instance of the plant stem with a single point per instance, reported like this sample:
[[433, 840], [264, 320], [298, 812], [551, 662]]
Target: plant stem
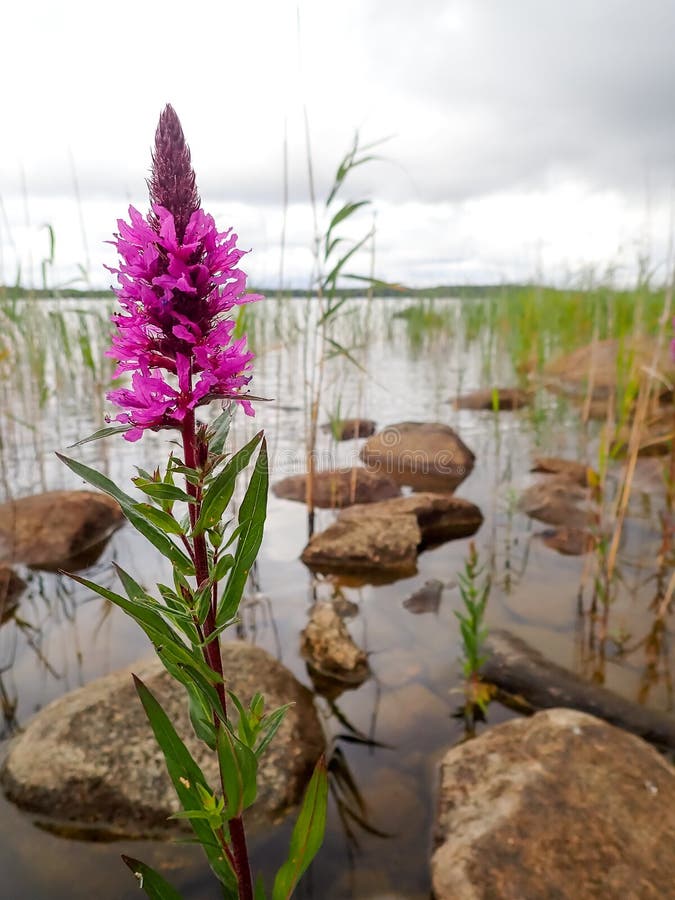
[[212, 654]]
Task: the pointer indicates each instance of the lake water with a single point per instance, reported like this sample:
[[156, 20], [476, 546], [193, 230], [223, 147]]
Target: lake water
[[64, 637]]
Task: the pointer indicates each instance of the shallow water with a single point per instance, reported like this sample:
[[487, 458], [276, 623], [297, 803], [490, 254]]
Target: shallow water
[[66, 636]]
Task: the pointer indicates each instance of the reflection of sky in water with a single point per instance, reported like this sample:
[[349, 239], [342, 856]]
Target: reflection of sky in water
[[408, 703]]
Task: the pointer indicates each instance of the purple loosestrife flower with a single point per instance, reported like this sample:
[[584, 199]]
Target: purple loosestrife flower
[[178, 281]]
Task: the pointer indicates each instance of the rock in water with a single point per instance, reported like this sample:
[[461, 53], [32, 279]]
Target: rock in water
[[425, 599], [424, 455], [558, 500], [336, 488], [89, 761], [329, 649], [52, 530], [505, 398], [348, 429], [560, 805], [384, 538]]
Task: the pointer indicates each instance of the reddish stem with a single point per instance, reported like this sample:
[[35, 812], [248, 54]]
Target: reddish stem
[[212, 656]]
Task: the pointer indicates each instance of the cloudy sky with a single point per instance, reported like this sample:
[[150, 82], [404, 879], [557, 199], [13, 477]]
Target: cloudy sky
[[528, 138]]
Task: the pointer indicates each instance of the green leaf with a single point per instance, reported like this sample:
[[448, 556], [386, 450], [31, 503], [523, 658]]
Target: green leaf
[[102, 433], [219, 492], [156, 537], [163, 520], [219, 430], [307, 835], [347, 210], [159, 490], [239, 772], [269, 727], [150, 881], [259, 890], [251, 518], [331, 278], [186, 776]]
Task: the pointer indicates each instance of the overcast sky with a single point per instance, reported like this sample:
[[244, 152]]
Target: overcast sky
[[525, 138]]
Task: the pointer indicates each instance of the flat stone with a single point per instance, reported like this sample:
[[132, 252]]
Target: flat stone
[[384, 538], [339, 487], [440, 517], [506, 399], [348, 429], [366, 546], [559, 805], [425, 599], [570, 468], [557, 500], [328, 647], [568, 541], [57, 529], [89, 760], [424, 455]]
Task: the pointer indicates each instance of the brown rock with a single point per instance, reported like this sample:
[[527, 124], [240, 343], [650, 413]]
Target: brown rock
[[425, 455], [89, 759], [348, 429], [507, 399], [571, 469], [339, 487], [558, 501], [377, 546], [656, 437], [568, 541], [54, 530], [441, 517], [560, 805], [603, 365], [329, 649]]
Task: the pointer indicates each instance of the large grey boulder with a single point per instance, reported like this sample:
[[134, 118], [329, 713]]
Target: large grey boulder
[[424, 455], [89, 761], [57, 529], [560, 806]]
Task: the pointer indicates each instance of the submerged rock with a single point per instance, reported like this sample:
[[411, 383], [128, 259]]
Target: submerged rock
[[570, 468], [426, 599], [558, 500], [560, 805], [339, 487], [348, 429], [424, 455], [506, 399], [329, 649], [568, 541], [57, 529], [90, 761], [384, 538]]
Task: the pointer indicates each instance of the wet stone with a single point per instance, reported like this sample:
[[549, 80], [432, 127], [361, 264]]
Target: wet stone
[[559, 805], [558, 500], [329, 648], [338, 487], [11, 588], [57, 529], [348, 429], [89, 761], [503, 398], [424, 455]]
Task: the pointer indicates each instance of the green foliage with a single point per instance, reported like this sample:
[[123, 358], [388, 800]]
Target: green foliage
[[471, 622], [307, 835], [150, 881]]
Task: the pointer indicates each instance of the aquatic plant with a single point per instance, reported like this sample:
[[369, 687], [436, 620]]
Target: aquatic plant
[[178, 283], [474, 592]]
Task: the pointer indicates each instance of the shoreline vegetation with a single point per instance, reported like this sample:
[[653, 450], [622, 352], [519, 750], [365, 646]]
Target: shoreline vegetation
[[459, 291]]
